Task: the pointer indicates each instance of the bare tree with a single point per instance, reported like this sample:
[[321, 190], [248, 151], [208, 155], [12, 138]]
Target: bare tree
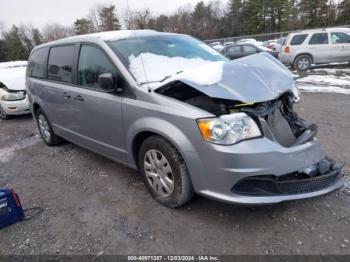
[[94, 17], [137, 19], [56, 31]]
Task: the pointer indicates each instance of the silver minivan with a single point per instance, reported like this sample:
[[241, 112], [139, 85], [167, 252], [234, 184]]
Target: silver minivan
[[182, 114], [319, 46]]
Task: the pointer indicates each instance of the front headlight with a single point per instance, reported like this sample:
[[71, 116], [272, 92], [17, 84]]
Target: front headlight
[[228, 129], [14, 96]]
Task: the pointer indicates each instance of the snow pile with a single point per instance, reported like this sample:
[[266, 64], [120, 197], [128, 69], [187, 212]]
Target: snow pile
[[11, 64], [155, 69], [325, 84]]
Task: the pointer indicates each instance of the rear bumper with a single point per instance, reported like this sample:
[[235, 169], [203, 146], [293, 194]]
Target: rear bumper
[[286, 59], [19, 107]]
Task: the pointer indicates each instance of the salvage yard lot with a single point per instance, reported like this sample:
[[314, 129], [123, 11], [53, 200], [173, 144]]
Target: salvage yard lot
[[92, 205]]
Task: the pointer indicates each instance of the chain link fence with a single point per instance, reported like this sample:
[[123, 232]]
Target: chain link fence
[[259, 37]]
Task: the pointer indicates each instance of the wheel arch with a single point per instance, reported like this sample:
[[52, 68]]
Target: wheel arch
[[151, 127], [301, 54]]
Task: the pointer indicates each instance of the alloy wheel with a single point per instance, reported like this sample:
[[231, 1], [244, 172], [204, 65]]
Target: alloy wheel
[[158, 173], [303, 63], [44, 128]]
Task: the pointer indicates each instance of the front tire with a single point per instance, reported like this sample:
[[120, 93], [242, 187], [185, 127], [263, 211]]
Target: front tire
[[45, 129], [302, 62], [3, 114], [164, 172]]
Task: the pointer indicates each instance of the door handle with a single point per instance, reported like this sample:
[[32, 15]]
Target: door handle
[[79, 98], [66, 95]]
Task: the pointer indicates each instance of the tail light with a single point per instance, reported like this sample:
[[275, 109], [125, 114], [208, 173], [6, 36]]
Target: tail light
[[286, 49]]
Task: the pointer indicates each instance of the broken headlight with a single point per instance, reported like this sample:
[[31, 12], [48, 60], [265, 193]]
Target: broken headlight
[[228, 129], [14, 96], [296, 94]]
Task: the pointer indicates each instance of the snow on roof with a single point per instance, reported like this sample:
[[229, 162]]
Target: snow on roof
[[13, 64], [114, 35]]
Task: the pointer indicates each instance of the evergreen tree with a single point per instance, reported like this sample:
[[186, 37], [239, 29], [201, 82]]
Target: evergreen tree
[[3, 51], [234, 17], [83, 26], [313, 13], [344, 13], [37, 37], [108, 18], [15, 50]]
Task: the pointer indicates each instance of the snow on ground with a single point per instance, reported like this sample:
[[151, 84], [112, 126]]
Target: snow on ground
[[12, 64], [325, 80]]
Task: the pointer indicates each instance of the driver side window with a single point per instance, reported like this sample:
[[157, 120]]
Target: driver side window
[[92, 63]]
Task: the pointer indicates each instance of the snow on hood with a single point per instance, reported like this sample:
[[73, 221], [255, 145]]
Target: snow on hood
[[13, 78], [152, 68], [254, 78]]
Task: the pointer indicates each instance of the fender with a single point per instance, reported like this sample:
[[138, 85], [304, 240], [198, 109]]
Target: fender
[[160, 127]]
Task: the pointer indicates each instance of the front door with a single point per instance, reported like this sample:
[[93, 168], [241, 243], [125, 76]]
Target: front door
[[341, 47], [98, 113]]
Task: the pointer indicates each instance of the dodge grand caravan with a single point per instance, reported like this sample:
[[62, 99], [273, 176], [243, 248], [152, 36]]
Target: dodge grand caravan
[[190, 120]]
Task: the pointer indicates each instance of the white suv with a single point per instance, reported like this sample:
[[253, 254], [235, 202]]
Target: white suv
[[304, 48]]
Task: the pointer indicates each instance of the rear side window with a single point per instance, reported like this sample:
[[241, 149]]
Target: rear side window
[[234, 49], [92, 63], [340, 38], [61, 63], [37, 63], [319, 39], [298, 39], [249, 49]]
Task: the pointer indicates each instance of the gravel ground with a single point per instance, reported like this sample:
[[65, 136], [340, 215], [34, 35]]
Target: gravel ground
[[95, 206]]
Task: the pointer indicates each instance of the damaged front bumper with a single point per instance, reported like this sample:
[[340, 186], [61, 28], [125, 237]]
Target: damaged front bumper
[[260, 171]]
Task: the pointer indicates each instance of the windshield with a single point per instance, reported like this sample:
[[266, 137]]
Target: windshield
[[156, 58]]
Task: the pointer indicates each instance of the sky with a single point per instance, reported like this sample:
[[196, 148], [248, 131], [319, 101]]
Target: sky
[[40, 12]]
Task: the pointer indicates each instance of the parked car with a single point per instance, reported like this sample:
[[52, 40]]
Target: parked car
[[250, 41], [304, 48], [13, 94], [274, 44], [184, 115], [217, 46], [242, 50]]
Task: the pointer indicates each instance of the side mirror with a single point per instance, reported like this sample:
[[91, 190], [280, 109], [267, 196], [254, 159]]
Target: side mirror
[[106, 82]]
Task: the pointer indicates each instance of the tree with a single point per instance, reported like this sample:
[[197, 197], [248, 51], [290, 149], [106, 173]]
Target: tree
[[13, 46], [313, 13], [137, 19], [83, 26], [37, 37], [56, 31], [234, 17], [344, 13], [108, 19], [94, 17]]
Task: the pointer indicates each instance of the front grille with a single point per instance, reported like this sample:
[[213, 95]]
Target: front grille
[[271, 185]]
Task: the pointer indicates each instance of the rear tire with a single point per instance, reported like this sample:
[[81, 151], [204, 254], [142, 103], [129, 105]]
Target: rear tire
[[302, 62], [45, 129], [164, 172]]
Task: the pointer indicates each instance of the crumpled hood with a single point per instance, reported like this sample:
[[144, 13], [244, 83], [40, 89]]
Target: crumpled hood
[[254, 78]]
